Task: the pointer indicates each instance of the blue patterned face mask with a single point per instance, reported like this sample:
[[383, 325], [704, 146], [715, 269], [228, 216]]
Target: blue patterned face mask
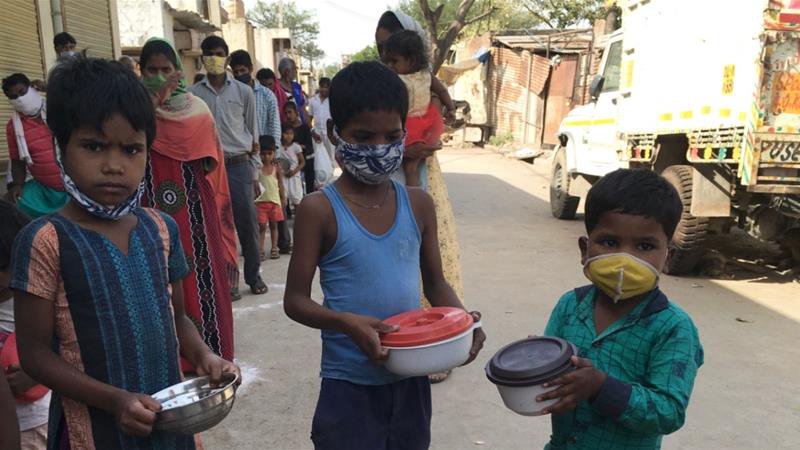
[[370, 163], [92, 207]]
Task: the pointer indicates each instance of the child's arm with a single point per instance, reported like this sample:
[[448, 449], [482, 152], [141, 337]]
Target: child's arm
[[135, 413], [436, 288], [281, 190], [441, 91], [309, 230], [301, 163], [191, 344], [658, 404]]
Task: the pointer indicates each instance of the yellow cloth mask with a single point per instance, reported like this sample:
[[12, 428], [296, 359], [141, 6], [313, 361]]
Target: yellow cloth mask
[[621, 275], [215, 65]]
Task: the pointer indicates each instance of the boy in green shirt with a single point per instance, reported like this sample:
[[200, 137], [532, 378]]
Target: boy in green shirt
[[638, 352]]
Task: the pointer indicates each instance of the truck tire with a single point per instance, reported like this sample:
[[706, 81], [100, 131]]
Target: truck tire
[[691, 231], [562, 205]]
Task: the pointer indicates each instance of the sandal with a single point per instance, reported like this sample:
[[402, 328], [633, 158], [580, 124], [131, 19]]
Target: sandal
[[274, 254], [263, 256], [286, 250], [259, 288], [235, 295], [436, 378]]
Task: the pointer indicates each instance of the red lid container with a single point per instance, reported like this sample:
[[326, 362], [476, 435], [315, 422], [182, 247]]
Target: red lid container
[[9, 357], [426, 326]]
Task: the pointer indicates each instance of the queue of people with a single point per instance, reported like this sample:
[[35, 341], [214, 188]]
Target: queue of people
[[127, 285]]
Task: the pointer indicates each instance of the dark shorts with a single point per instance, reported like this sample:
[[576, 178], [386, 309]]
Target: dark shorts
[[394, 416]]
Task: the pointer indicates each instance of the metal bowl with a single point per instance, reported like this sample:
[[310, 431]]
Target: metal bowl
[[194, 406]]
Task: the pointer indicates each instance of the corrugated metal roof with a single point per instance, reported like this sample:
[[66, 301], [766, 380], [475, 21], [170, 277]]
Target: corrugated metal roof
[[569, 41]]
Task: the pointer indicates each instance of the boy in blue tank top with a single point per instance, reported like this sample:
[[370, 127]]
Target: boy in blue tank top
[[371, 238]]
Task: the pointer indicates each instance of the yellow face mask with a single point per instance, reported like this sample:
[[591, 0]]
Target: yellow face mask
[[621, 275], [215, 65]]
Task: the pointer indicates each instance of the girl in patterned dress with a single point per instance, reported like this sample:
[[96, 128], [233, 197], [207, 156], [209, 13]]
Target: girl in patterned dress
[[98, 293]]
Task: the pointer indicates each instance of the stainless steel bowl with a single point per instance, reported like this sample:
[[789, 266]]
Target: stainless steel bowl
[[194, 406]]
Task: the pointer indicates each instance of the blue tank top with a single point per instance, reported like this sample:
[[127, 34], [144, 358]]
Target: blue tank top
[[370, 275]]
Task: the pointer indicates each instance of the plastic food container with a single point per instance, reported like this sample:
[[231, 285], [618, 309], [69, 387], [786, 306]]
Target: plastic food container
[[519, 369], [429, 341], [194, 406], [9, 357]]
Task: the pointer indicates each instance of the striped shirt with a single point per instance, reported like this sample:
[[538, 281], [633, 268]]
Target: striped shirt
[[267, 114]]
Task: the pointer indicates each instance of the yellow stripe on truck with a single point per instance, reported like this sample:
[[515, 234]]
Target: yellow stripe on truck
[[586, 123]]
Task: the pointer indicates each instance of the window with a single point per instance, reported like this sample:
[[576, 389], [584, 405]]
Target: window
[[612, 70]]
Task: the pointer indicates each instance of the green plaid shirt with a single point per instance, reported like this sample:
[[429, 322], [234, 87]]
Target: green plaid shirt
[[651, 357]]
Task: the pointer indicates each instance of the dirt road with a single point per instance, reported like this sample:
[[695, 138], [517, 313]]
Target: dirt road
[[517, 260]]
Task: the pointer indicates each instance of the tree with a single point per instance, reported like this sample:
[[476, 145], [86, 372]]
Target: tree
[[329, 70], [560, 14], [302, 23], [368, 53]]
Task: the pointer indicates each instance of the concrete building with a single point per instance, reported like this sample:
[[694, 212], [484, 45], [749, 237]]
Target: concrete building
[[27, 28], [265, 45], [185, 23]]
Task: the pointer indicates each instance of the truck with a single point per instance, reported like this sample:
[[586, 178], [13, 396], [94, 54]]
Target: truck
[[707, 94]]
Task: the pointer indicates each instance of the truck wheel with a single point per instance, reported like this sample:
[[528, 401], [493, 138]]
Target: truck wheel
[[562, 205], [691, 231]]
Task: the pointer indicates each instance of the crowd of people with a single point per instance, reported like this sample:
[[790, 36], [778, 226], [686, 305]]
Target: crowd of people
[[131, 196]]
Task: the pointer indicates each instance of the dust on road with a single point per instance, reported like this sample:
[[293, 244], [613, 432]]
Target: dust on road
[[517, 260]]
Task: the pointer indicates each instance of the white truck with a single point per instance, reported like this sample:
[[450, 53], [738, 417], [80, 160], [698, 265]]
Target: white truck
[[706, 93]]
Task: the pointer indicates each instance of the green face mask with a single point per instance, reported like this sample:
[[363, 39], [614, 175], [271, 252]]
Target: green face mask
[[154, 84]]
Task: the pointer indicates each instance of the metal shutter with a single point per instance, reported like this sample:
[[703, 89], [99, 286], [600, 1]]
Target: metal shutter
[[21, 51], [89, 22]]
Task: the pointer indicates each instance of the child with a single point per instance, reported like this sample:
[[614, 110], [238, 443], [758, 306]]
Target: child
[[32, 416], [272, 200], [97, 286], [293, 163], [638, 352], [404, 53], [302, 137], [370, 238]]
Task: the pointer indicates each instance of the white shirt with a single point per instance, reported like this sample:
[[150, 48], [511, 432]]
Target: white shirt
[[320, 110]]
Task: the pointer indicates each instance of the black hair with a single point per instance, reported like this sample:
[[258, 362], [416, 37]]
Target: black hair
[[15, 78], [635, 192], [198, 77], [241, 58], [286, 126], [324, 82], [409, 45], [62, 39], [212, 42], [87, 92], [153, 48], [13, 221], [265, 74], [390, 22], [289, 105], [366, 86], [266, 142]]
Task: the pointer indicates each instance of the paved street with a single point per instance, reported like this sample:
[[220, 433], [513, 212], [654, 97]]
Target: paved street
[[517, 260]]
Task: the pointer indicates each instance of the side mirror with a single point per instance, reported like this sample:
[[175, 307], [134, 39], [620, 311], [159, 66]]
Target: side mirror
[[596, 87]]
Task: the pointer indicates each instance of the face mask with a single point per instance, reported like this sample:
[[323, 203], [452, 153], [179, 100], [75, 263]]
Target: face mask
[[154, 84], [68, 54], [215, 65], [92, 207], [620, 275], [369, 163], [29, 104], [244, 78]]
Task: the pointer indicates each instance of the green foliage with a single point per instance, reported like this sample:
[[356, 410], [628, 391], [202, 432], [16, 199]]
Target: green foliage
[[329, 70], [507, 15], [368, 53], [499, 140], [302, 22], [558, 14]]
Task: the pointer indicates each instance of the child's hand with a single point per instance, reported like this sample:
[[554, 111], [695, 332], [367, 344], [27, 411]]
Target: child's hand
[[136, 413], [575, 387], [214, 366], [18, 381], [316, 136], [478, 338], [365, 332]]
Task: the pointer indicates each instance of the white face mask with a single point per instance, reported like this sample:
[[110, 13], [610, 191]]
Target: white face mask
[[29, 104]]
